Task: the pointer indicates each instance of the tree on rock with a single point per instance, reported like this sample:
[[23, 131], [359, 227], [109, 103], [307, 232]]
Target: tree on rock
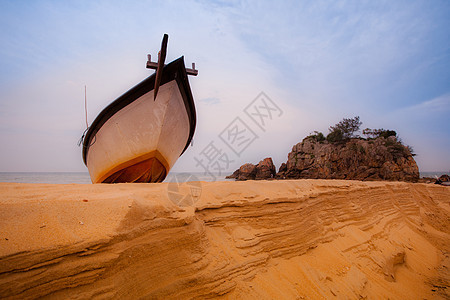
[[344, 130], [376, 133]]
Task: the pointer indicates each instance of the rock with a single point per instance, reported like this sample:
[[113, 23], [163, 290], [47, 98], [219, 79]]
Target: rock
[[427, 180], [234, 175], [265, 169], [281, 171], [444, 180], [357, 159], [246, 172]]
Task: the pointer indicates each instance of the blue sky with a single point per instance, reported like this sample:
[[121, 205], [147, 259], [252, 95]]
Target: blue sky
[[319, 61]]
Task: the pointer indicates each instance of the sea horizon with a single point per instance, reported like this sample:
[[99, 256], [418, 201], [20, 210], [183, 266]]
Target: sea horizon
[[83, 177]]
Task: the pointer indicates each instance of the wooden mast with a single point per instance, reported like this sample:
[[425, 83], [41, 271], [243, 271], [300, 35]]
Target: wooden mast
[[161, 60], [160, 64]]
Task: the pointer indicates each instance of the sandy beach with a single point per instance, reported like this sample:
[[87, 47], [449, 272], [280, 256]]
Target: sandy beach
[[292, 239]]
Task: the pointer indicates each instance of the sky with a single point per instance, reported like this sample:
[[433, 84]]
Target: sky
[[313, 62]]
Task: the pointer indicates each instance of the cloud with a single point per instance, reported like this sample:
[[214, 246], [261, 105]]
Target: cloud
[[439, 104], [347, 53]]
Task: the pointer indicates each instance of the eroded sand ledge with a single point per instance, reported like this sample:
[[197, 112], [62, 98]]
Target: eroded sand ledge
[[259, 239]]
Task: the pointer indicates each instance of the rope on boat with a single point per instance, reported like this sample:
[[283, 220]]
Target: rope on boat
[[80, 141], [85, 107]]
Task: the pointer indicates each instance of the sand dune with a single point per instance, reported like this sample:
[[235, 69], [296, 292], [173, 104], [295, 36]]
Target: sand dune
[[298, 239]]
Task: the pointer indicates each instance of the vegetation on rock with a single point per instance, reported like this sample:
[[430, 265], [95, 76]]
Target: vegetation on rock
[[317, 136], [344, 130], [347, 129], [376, 133]]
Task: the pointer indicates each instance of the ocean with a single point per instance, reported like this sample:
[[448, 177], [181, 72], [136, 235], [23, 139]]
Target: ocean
[[83, 177]]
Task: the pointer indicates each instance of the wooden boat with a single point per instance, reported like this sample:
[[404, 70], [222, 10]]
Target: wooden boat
[[140, 135]]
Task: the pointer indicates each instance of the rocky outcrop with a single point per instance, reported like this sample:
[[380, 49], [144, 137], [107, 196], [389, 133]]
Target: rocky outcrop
[[444, 180], [358, 159], [265, 169], [427, 180], [245, 172]]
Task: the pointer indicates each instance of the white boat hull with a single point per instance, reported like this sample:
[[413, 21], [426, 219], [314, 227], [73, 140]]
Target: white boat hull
[[141, 141]]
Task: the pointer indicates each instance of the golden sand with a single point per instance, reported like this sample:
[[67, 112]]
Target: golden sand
[[296, 239]]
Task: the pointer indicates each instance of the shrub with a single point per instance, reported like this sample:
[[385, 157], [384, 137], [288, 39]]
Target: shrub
[[411, 150], [376, 133], [317, 136], [335, 136], [388, 133], [396, 146]]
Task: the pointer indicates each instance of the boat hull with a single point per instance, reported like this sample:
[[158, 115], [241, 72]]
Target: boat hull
[[142, 138]]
